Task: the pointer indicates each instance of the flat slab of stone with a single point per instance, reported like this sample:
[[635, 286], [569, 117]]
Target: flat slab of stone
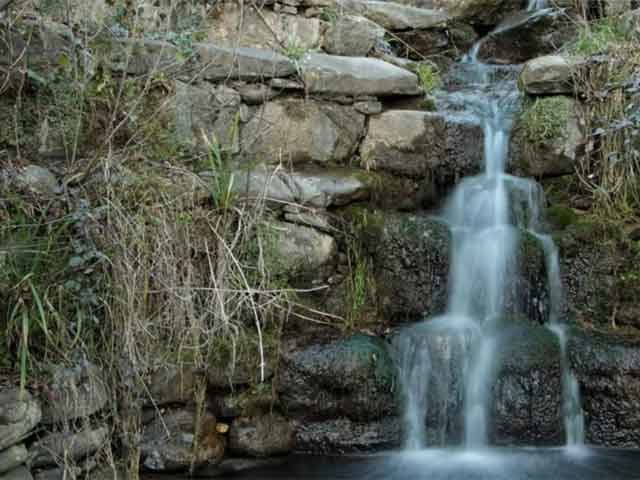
[[356, 76], [220, 63], [394, 16], [55, 448]]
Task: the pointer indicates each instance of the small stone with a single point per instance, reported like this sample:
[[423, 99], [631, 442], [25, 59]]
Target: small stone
[[256, 93], [285, 84], [222, 428], [39, 180], [19, 414], [263, 436], [312, 12], [281, 8], [368, 107]]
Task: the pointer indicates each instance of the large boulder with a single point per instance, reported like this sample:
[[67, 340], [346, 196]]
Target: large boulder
[[419, 144], [19, 414], [453, 39], [352, 36], [167, 443], [343, 436], [550, 74], [548, 137], [527, 396], [351, 378], [409, 290], [297, 131], [235, 25], [74, 392], [395, 16], [171, 384], [262, 436], [476, 12], [607, 367], [355, 76]]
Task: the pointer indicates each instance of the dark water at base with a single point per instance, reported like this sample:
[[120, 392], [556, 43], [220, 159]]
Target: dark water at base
[[449, 464]]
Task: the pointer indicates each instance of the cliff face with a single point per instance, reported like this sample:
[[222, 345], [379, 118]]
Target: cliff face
[[217, 214]]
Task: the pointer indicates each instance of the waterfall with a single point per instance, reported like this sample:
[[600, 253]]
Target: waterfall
[[534, 5], [485, 223]]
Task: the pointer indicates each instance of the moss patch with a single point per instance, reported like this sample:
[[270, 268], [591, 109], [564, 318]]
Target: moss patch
[[545, 119]]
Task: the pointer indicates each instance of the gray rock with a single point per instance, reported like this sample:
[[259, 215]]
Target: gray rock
[[316, 219], [343, 436], [451, 40], [607, 367], [351, 378], [12, 458], [172, 384], [475, 12], [243, 63], [302, 249], [321, 189], [256, 93], [352, 36], [330, 74], [527, 397], [251, 402], [236, 26], [167, 443], [207, 110], [19, 414], [394, 16], [419, 144], [39, 180], [262, 436], [56, 448], [20, 473], [74, 392], [368, 107], [299, 131], [142, 57], [548, 157], [551, 74]]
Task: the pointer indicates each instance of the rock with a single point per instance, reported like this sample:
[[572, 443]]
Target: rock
[[394, 16], [607, 368], [299, 131], [551, 74], [38, 179], [243, 63], [311, 218], [172, 384], [548, 137], [262, 436], [206, 110], [167, 444], [230, 466], [143, 57], [315, 188], [527, 397], [245, 27], [224, 377], [419, 144], [256, 93], [74, 392], [254, 401], [409, 290], [330, 74], [352, 36], [302, 249], [526, 35], [368, 107], [19, 414], [12, 458], [57, 448], [452, 40], [20, 473], [351, 378], [343, 436], [485, 13]]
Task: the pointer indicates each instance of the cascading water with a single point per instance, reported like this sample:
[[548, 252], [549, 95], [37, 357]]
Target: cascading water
[[486, 225]]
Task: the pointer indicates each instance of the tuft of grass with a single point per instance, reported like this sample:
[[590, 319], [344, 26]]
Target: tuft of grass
[[545, 119], [599, 36], [429, 77]]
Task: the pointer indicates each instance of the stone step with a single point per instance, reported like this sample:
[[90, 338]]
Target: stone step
[[395, 16], [357, 76]]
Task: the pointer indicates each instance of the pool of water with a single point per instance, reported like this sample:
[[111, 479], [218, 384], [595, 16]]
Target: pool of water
[[451, 464]]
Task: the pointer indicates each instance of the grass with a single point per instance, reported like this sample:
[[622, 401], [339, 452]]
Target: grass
[[545, 119], [429, 77], [598, 36]]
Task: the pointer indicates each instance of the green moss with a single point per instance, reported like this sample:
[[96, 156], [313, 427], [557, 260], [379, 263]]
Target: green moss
[[545, 119], [562, 216], [599, 36]]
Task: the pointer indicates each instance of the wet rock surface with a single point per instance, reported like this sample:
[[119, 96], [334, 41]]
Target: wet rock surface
[[261, 436]]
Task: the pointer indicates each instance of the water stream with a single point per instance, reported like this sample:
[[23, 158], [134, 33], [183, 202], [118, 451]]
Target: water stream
[[486, 225]]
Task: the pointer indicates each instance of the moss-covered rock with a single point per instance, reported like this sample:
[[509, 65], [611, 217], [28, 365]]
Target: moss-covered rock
[[351, 378]]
